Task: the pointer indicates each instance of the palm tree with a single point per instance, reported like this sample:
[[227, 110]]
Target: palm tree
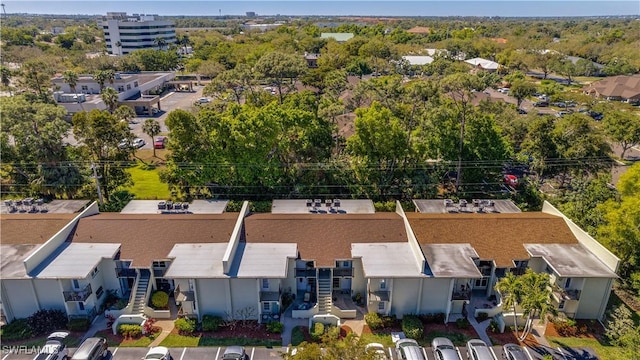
[[110, 98], [152, 128], [509, 289], [124, 113], [71, 78], [160, 42]]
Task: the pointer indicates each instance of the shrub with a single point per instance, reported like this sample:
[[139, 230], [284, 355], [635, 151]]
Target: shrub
[[332, 332], [619, 322], [275, 327], [385, 206], [316, 331], [130, 331], [493, 326], [211, 322], [78, 324], [436, 318], [185, 326], [412, 327], [159, 300], [148, 325], [16, 330], [566, 327], [46, 321], [462, 323], [388, 321], [482, 316], [373, 320]]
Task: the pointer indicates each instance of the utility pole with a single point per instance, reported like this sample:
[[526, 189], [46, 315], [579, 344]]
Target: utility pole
[[97, 178]]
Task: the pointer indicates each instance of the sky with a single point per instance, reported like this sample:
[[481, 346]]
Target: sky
[[320, 7]]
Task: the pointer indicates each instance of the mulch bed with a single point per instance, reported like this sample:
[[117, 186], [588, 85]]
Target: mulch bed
[[252, 330], [589, 330]]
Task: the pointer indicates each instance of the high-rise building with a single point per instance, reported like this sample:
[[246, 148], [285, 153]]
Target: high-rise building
[[126, 33]]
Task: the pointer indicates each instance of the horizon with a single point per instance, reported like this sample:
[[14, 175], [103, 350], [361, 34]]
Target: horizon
[[357, 8]]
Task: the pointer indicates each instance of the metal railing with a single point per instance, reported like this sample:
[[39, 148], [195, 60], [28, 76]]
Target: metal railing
[[78, 295]]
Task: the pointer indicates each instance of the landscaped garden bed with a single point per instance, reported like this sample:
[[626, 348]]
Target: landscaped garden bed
[[214, 332]]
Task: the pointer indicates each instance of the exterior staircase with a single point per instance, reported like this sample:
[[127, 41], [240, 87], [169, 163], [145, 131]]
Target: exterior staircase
[[325, 301], [140, 294]]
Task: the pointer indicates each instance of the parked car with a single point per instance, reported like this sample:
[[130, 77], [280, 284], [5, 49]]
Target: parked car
[[378, 350], [503, 90], [123, 144], [54, 348], [478, 350], [93, 348], [540, 104], [443, 349], [158, 353], [514, 352], [408, 349], [203, 100], [159, 142], [510, 180], [522, 111], [562, 113], [595, 115], [138, 143], [234, 353]]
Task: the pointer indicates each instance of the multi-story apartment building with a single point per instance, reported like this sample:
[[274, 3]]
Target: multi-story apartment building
[[335, 258], [126, 33]]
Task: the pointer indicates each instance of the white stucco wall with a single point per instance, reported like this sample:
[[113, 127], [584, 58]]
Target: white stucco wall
[[405, 296], [243, 296], [594, 298], [435, 295], [359, 282], [21, 298], [49, 294], [211, 296], [289, 284], [109, 278]]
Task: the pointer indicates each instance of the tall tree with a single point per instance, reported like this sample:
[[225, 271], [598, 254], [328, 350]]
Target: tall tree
[[521, 89], [36, 76], [622, 127], [102, 76], [151, 127], [282, 69], [110, 98], [5, 76], [160, 42], [124, 113]]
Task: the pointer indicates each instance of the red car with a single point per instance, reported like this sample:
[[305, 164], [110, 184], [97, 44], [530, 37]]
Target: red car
[[160, 142], [510, 180]]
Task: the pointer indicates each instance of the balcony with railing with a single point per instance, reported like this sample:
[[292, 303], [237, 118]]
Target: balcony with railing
[[78, 295], [304, 272], [566, 294], [180, 295], [461, 294], [125, 272], [269, 296], [343, 272]]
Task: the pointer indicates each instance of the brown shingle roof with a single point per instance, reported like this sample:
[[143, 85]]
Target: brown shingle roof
[[419, 30], [325, 238], [627, 87], [31, 228], [145, 238], [494, 236]]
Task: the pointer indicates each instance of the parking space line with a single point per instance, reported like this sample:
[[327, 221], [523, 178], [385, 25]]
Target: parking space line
[[113, 353], [562, 353], [424, 352], [493, 353], [218, 353], [253, 350], [390, 354], [6, 356], [183, 351]]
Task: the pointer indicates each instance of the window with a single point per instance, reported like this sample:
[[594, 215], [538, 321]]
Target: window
[[85, 88], [94, 272], [81, 305], [76, 284], [159, 264], [561, 305], [135, 84], [266, 306], [99, 292], [346, 264], [128, 86], [383, 284], [481, 282], [381, 306], [567, 283], [548, 270], [120, 88], [265, 283]]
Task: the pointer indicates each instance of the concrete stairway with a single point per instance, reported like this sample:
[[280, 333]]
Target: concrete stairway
[[325, 301], [139, 300]]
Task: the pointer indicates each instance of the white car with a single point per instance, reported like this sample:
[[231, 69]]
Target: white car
[[54, 349], [203, 100], [138, 143], [503, 90], [158, 353]]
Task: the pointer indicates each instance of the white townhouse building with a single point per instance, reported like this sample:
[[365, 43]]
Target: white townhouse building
[[334, 258], [127, 33]]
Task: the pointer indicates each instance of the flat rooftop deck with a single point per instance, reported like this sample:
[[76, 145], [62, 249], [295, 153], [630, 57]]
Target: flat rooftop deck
[[195, 207], [439, 206], [300, 206]]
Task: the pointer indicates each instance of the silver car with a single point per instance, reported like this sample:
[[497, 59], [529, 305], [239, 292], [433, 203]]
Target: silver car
[[233, 353], [478, 350], [409, 349], [443, 349], [514, 352]]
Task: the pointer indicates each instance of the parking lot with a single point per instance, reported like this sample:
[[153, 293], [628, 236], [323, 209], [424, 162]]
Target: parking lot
[[260, 353]]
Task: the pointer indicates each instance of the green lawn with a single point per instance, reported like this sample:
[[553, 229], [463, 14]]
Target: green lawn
[[377, 338], [144, 341], [147, 184], [175, 340], [603, 351]]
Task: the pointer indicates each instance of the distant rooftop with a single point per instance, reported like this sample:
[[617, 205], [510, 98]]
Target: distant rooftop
[[195, 207], [53, 207], [311, 206], [448, 206]]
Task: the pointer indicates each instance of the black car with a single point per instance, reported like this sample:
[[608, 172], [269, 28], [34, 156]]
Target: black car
[[522, 112], [541, 104]]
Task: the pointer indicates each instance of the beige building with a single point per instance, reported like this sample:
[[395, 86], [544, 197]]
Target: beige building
[[328, 260]]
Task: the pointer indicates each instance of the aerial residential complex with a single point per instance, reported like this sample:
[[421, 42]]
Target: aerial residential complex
[[324, 254], [126, 33]]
